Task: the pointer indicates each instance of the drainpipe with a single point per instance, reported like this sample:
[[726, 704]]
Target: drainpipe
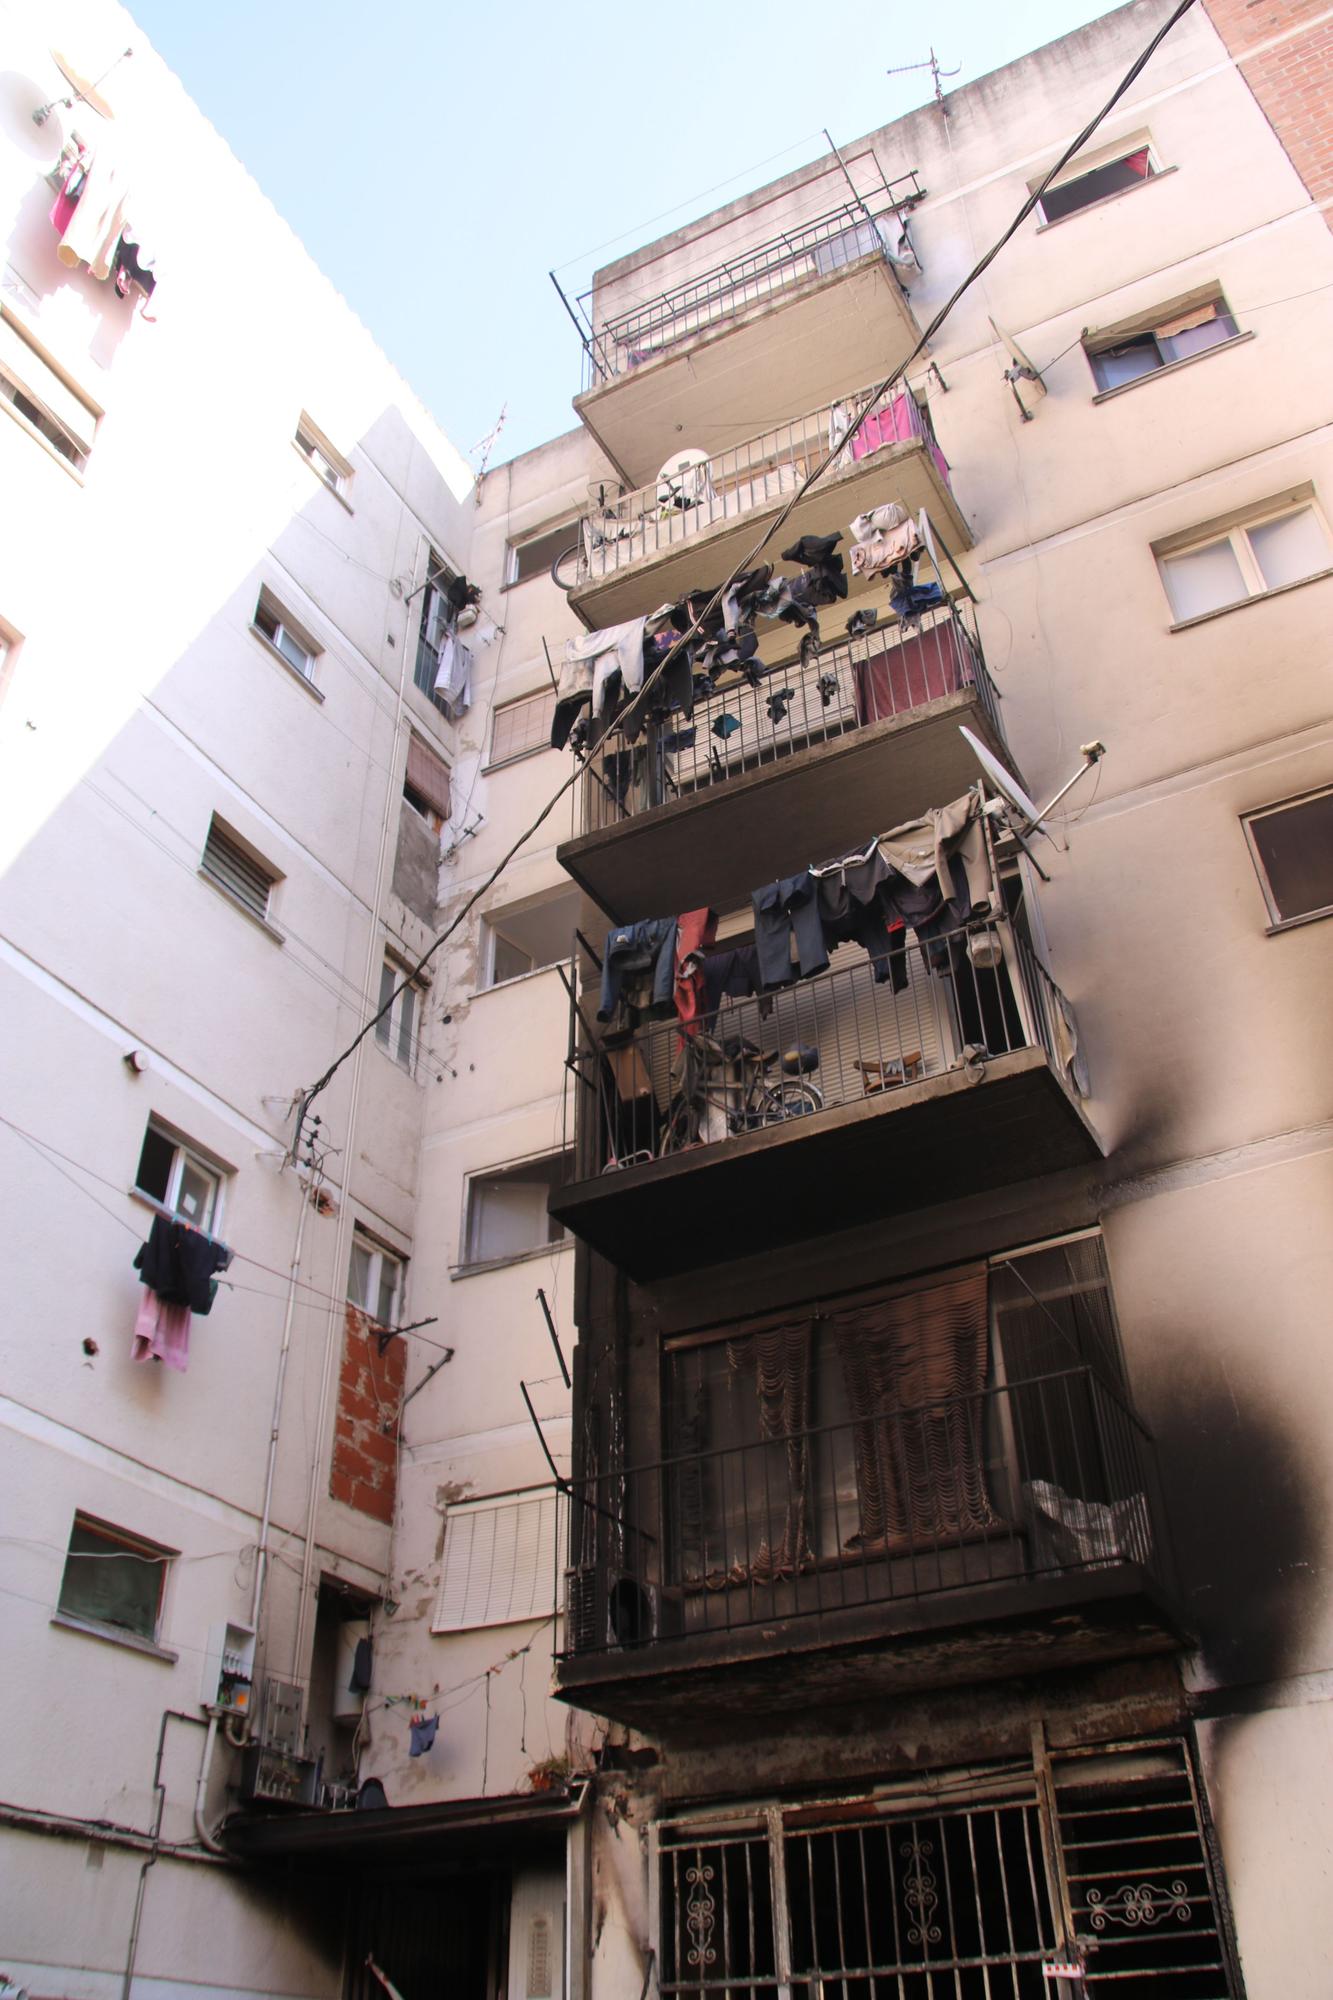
[[338, 1314], [201, 1789], [261, 1551]]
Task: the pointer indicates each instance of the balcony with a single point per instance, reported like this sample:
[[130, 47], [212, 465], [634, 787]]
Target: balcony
[[762, 777], [700, 518], [810, 312], [924, 1543], [825, 1105]]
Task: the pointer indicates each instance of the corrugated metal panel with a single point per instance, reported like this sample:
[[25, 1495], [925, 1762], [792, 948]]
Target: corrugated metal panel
[[234, 870]]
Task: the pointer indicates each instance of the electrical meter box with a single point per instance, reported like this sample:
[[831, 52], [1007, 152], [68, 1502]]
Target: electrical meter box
[[227, 1679]]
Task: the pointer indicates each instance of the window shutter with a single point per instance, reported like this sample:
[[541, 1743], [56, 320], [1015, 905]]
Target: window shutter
[[499, 1563], [429, 775], [40, 383], [1185, 322], [234, 870]]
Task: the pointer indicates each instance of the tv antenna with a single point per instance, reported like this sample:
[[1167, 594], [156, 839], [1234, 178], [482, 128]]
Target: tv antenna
[[936, 73], [487, 445]]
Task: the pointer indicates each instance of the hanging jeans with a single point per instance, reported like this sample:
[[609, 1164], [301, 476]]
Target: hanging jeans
[[785, 910], [642, 955]]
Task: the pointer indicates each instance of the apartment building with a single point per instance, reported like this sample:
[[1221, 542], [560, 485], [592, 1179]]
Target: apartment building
[[949, 1512], [229, 778], [919, 1590]]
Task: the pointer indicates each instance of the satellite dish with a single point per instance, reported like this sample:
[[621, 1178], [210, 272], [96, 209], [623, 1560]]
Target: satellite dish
[[1005, 783], [1020, 369]]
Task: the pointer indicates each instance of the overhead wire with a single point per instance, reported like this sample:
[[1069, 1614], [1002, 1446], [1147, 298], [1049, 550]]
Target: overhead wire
[[982, 264], [45, 1149]]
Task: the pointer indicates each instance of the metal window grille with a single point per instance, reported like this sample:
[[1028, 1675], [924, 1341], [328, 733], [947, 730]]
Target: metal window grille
[[971, 1899], [228, 864]]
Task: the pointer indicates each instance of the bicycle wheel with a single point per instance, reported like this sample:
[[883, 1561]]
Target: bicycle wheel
[[789, 1098], [565, 568]]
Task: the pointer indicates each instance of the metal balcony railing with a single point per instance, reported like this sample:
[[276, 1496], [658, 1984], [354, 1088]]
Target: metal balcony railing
[[892, 671], [762, 472], [1047, 1476], [839, 1038], [650, 327]]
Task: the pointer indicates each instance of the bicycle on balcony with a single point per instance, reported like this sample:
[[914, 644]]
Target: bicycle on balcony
[[723, 1087]]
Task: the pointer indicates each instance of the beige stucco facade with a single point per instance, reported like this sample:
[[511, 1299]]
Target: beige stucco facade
[[139, 702]]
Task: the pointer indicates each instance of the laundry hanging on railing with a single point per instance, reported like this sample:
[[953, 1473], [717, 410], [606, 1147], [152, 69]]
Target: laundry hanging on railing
[[598, 669], [91, 216], [453, 659], [931, 875]]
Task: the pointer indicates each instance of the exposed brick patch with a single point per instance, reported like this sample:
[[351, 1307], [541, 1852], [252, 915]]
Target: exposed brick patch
[[1291, 83], [370, 1388]]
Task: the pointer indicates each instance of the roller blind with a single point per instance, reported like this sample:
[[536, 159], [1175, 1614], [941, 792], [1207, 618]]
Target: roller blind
[[429, 775], [500, 1562]]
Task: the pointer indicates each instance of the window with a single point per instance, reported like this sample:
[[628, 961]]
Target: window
[[1292, 847], [1068, 197], [273, 624], [42, 395], [534, 555], [396, 1031], [1125, 353], [179, 1180], [112, 1580], [500, 1561], [432, 633], [10, 641], [521, 727], [426, 784], [330, 464], [506, 1211], [230, 866], [937, 1416], [525, 940], [1209, 572], [374, 1279]]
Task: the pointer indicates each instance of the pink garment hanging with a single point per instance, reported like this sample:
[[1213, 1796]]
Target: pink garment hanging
[[161, 1333], [62, 209], [897, 423]]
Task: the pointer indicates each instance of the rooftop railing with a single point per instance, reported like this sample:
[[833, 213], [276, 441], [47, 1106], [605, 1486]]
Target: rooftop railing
[[624, 340], [687, 498], [849, 685], [1048, 1476], [866, 1028]]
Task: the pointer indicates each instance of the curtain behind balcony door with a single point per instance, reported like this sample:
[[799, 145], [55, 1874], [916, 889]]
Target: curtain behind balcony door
[[780, 1357], [915, 1368]]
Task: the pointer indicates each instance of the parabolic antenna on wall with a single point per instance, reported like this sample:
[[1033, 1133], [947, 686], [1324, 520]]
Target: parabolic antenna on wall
[[1005, 783]]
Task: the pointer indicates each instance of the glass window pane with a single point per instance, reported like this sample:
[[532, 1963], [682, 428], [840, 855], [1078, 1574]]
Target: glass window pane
[[1296, 848], [1195, 339], [194, 1200], [292, 651], [1126, 363], [109, 1585], [407, 1004], [154, 1169], [358, 1276], [384, 1026], [1289, 548], [1203, 579], [387, 1291]]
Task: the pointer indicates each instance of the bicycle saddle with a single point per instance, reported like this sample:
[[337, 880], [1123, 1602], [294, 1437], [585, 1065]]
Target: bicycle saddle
[[800, 1060]]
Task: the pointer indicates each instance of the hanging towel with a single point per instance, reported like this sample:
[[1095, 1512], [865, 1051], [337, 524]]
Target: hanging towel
[[161, 1333]]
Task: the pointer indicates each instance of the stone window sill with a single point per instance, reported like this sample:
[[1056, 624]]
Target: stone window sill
[[283, 661], [235, 903], [1173, 367], [1163, 173], [516, 1257], [115, 1636]]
